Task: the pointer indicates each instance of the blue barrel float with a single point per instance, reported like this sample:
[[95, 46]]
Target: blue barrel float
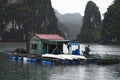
[[34, 60], [20, 58], [46, 62], [13, 57], [66, 61], [75, 62], [29, 59]]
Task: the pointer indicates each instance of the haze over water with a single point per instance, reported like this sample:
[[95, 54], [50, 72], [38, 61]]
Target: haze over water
[[95, 48]]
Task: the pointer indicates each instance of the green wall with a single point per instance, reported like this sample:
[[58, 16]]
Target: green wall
[[37, 41]]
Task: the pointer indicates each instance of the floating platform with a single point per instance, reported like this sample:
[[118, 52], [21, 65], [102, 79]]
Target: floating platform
[[62, 59], [49, 59]]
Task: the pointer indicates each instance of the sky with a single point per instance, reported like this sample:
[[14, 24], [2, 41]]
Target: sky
[[78, 6]]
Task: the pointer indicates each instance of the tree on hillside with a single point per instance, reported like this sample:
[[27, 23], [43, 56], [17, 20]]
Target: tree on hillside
[[2, 26], [111, 23], [90, 31], [27, 17]]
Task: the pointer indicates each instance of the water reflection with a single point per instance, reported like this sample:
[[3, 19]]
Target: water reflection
[[87, 72], [14, 70]]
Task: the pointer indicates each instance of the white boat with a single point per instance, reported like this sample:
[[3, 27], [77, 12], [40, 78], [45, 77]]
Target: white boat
[[51, 56], [64, 56]]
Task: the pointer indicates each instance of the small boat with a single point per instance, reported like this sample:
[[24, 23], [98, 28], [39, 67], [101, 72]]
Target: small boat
[[64, 56], [108, 61], [103, 59], [63, 59]]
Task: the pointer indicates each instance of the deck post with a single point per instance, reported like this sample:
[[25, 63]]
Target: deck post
[[47, 48]]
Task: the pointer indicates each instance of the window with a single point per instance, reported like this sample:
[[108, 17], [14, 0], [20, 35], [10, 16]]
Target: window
[[34, 46]]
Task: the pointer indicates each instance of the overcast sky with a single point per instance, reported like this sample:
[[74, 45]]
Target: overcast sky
[[78, 6]]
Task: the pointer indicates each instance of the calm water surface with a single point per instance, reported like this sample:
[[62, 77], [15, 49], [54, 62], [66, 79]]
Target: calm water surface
[[15, 70], [11, 46]]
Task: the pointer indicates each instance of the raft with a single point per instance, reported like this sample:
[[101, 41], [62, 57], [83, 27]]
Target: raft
[[47, 59], [103, 59]]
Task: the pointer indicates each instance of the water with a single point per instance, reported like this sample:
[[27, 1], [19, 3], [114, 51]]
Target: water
[[102, 49], [15, 70], [11, 46]]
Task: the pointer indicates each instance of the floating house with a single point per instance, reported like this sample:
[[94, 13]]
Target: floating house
[[44, 47], [48, 49], [46, 43]]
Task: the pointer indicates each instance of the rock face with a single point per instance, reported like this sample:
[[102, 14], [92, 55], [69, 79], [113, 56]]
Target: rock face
[[24, 17], [91, 26]]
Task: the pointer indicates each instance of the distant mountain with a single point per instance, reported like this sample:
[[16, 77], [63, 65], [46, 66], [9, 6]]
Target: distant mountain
[[71, 22]]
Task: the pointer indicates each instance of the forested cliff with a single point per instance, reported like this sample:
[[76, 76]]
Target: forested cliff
[[90, 31], [111, 23], [96, 30], [21, 18]]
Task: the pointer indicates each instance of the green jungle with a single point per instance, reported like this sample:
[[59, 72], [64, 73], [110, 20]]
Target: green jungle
[[25, 17]]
